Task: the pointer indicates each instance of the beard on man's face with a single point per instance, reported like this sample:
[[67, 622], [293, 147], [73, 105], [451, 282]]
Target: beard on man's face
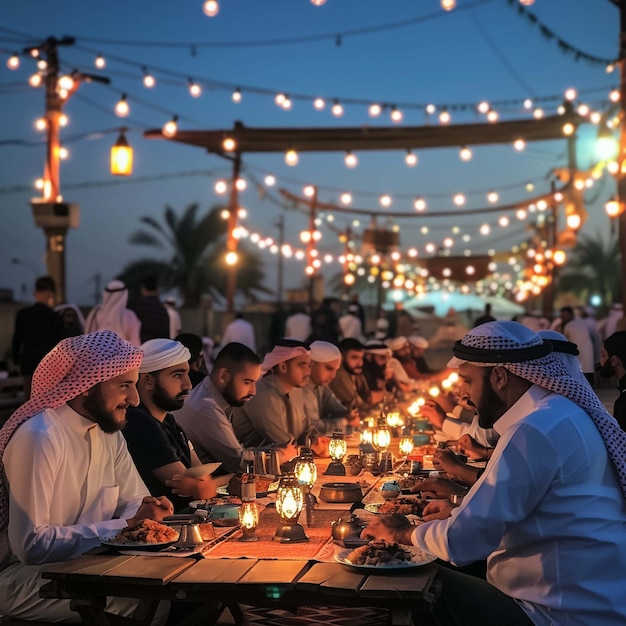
[[606, 370], [107, 420], [231, 398], [164, 400], [357, 369], [490, 406]]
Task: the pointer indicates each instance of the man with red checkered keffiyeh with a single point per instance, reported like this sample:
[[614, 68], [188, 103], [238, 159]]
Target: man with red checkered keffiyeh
[[67, 476], [549, 512]]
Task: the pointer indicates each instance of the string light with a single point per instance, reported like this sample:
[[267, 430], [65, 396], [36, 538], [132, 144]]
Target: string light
[[279, 99], [396, 115], [211, 8], [448, 5], [337, 109], [221, 187], [148, 80], [465, 154], [171, 128], [351, 160], [444, 117], [318, 3], [319, 104], [483, 107], [430, 109], [614, 96], [100, 63], [527, 104], [309, 191], [568, 129], [570, 94], [291, 157], [229, 144], [13, 62], [35, 80], [419, 204], [538, 113], [64, 153], [459, 199], [64, 120], [410, 158], [375, 110], [41, 124], [121, 108], [42, 65], [346, 198], [385, 200], [237, 97], [519, 144], [194, 89], [241, 184], [270, 180], [492, 116], [286, 103], [65, 82], [492, 197], [231, 258]]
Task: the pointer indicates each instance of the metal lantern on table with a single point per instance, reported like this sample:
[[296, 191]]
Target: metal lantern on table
[[248, 513], [306, 473], [337, 449], [381, 437], [406, 446], [289, 503]]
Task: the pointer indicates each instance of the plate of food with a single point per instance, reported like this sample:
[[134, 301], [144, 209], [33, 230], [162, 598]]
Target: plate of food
[[200, 471], [405, 505], [147, 535], [382, 555], [209, 503], [264, 484]]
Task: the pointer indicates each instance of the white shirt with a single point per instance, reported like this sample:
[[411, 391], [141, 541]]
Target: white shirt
[[69, 484], [456, 428], [549, 515], [351, 327], [240, 331], [298, 326], [205, 420]]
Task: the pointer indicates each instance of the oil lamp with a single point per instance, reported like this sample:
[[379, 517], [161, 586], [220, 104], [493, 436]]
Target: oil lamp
[[249, 519], [289, 502], [406, 446], [306, 473], [337, 449]]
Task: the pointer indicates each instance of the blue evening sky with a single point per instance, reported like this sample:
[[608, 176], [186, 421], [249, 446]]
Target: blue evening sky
[[481, 51]]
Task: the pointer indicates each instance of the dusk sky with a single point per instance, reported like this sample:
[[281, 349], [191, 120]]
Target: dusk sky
[[482, 50]]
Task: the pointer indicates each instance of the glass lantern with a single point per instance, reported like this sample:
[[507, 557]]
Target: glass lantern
[[306, 473], [249, 519], [337, 449], [381, 437], [406, 446], [289, 503]]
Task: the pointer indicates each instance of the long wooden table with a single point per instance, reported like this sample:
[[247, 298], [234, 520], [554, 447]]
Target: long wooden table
[[218, 584]]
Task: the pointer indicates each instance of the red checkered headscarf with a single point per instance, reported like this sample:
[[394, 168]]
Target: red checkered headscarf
[[525, 354], [72, 367]]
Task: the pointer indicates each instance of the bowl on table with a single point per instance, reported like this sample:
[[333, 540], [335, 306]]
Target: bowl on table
[[341, 492]]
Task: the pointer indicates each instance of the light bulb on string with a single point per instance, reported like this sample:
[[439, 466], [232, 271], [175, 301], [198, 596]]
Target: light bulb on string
[[64, 153], [538, 113], [419, 204], [34, 52], [229, 144], [64, 120], [410, 158], [65, 82], [270, 180], [483, 107], [614, 96], [385, 200], [237, 97], [492, 197], [318, 3], [319, 104], [346, 198], [279, 99], [194, 89], [121, 108], [570, 94], [291, 157], [492, 116], [13, 62], [337, 109], [519, 144], [41, 124], [35, 80], [430, 109], [527, 3], [444, 117], [309, 191], [221, 187], [241, 184], [42, 65], [100, 63], [211, 8], [448, 5], [148, 80], [528, 104], [286, 103], [351, 160], [396, 115], [568, 129], [465, 153], [459, 199], [171, 128], [375, 110]]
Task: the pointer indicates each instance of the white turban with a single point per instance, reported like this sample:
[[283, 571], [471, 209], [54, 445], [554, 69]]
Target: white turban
[[418, 342], [161, 353], [396, 343], [324, 352], [374, 346]]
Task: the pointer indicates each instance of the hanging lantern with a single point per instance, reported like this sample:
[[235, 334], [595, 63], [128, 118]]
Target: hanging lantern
[[121, 157]]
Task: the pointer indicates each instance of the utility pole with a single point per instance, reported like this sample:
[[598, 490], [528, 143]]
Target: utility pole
[[280, 224], [231, 242], [621, 160], [50, 212]]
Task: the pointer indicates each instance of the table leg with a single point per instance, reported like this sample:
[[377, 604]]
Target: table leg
[[92, 612]]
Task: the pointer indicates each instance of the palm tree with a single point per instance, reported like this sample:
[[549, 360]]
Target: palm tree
[[196, 246], [594, 268]]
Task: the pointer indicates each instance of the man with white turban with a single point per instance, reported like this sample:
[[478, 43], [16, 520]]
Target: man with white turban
[[321, 405], [67, 476], [158, 445], [549, 511], [113, 315], [276, 413]]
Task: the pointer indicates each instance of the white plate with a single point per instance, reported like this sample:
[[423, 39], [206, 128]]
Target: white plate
[[148, 547], [200, 471], [418, 559]]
